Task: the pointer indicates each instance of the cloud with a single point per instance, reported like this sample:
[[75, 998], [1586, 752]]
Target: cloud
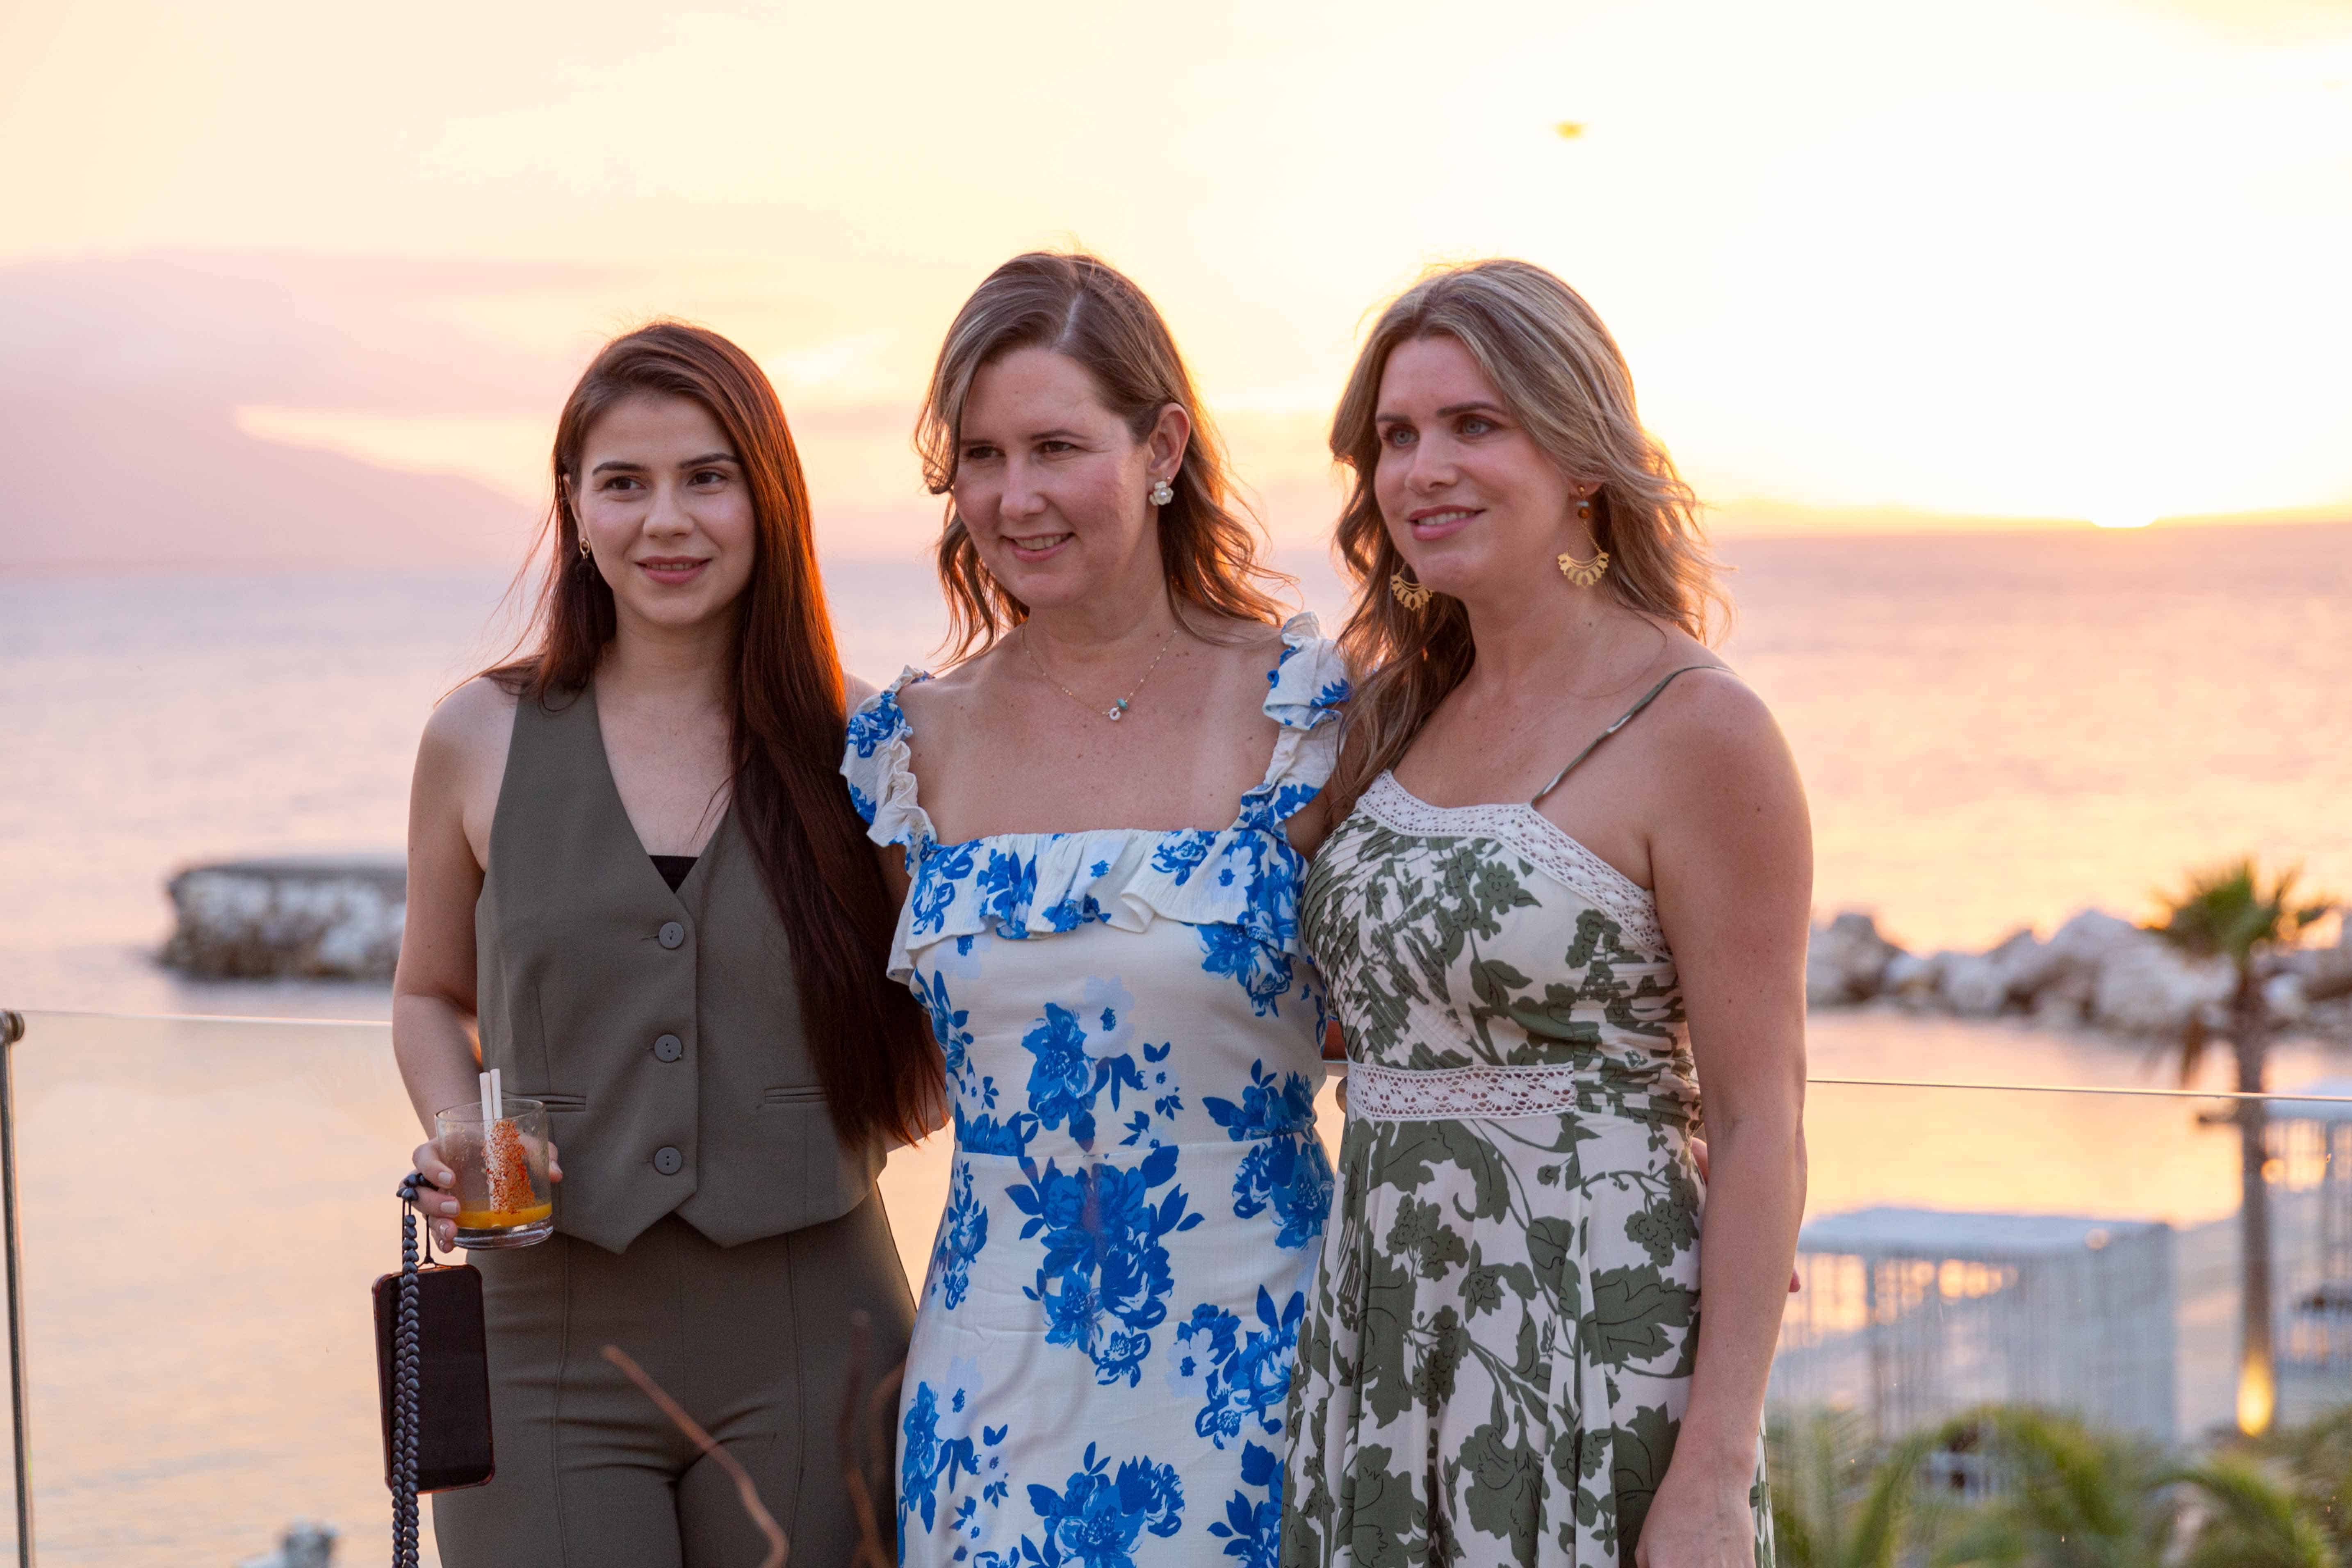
[[120, 379], [361, 333]]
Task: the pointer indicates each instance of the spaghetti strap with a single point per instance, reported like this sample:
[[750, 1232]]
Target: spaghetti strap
[[1622, 719]]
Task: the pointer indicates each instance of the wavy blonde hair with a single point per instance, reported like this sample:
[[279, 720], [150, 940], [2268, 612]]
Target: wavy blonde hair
[[1564, 379], [1081, 306]]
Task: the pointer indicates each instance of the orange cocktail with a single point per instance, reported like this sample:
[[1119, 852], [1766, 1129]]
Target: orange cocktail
[[503, 1196]]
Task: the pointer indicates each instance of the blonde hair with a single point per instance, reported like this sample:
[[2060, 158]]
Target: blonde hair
[[1081, 306], [1563, 378]]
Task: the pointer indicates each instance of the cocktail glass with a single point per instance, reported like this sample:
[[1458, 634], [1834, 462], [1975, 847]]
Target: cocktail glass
[[503, 1198]]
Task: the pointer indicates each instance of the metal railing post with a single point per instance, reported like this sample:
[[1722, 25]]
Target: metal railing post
[[12, 1029]]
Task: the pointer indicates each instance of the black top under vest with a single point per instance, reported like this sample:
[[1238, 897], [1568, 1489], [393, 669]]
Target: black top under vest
[[660, 1023]]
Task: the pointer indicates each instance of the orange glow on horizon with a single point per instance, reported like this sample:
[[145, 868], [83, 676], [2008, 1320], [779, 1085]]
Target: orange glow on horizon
[[2068, 258]]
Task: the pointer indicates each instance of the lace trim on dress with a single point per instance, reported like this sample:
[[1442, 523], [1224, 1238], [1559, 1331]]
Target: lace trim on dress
[[1533, 834], [1378, 1093]]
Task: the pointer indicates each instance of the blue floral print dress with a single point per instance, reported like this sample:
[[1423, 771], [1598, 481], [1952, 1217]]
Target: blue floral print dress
[[1100, 1367]]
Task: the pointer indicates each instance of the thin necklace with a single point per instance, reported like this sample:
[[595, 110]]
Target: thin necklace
[[1116, 708]]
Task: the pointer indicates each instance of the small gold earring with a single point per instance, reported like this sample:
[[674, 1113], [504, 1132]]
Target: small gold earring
[[1411, 595], [585, 551]]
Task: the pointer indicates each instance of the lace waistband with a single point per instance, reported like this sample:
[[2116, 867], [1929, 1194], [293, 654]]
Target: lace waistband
[[1497, 1093]]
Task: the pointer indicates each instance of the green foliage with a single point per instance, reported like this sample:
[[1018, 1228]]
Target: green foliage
[[2251, 1521], [2318, 1459], [2235, 912], [2067, 1497], [2060, 1495]]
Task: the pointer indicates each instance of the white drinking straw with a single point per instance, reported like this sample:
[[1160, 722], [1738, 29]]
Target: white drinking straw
[[487, 1117], [498, 1098]]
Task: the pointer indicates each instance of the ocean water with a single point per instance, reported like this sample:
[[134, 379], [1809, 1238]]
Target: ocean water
[[1993, 730]]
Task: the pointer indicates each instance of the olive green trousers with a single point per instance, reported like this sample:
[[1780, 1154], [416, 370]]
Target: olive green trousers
[[754, 1341]]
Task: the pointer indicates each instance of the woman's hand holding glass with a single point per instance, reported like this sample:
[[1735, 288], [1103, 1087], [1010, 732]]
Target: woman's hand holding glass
[[439, 1206]]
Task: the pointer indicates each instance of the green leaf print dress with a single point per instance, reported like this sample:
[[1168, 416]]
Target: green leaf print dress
[[1497, 1350]]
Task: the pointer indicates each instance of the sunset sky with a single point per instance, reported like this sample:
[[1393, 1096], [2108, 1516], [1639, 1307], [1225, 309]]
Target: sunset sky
[[2053, 260]]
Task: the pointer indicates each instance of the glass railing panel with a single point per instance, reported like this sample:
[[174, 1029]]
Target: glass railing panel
[[2077, 1250], [206, 1202]]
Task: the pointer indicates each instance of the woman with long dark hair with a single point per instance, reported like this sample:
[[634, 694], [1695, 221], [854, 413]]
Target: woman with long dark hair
[[633, 874]]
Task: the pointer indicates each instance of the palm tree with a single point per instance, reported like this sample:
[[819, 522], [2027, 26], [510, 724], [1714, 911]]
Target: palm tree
[[2064, 1496], [2251, 1522], [2318, 1458], [1836, 1503], [2052, 1493], [2233, 912]]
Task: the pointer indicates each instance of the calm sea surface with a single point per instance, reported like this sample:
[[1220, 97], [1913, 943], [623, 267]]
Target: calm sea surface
[[1995, 731]]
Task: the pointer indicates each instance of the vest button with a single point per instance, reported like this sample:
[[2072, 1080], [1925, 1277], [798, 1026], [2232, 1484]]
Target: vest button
[[669, 1049], [672, 934], [669, 1161]]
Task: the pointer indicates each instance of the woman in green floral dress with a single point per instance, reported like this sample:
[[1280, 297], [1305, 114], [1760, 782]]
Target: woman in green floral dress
[[1504, 1360]]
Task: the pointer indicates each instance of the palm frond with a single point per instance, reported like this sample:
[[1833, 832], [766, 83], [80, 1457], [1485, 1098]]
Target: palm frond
[[2235, 912], [2257, 1522]]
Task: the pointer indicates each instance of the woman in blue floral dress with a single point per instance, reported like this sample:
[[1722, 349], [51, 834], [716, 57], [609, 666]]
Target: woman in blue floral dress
[[1097, 817]]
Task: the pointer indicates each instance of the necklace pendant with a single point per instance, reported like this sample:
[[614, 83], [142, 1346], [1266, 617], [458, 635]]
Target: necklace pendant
[[1115, 710]]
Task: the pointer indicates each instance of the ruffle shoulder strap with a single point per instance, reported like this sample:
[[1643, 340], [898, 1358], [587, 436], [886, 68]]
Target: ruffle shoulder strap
[[879, 768], [1305, 692]]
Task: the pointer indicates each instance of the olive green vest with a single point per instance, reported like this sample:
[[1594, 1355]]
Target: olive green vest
[[662, 1029]]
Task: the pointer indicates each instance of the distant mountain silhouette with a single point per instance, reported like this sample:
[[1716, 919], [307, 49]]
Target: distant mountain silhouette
[[120, 377], [124, 481]]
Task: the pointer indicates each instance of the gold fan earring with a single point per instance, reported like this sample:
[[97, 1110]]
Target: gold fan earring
[[1583, 574], [1413, 596]]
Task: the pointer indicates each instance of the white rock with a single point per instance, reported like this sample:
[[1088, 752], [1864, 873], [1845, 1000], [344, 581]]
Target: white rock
[[2089, 936], [1912, 977], [304, 1545], [1846, 961], [338, 919], [2285, 997], [2146, 987], [1974, 984], [2327, 971]]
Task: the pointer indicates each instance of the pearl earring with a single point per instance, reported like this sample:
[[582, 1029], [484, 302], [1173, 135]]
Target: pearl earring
[[1162, 492]]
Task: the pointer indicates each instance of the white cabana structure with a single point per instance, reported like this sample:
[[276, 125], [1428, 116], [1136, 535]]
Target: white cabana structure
[[2311, 1260], [1913, 1315]]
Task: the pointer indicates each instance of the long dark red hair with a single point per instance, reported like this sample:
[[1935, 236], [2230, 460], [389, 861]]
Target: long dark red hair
[[872, 1046]]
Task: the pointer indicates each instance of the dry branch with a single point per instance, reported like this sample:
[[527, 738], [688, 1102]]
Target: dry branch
[[777, 1547]]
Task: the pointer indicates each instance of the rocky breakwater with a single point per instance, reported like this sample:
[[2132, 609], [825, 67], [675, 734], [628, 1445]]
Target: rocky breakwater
[[2096, 970], [296, 918]]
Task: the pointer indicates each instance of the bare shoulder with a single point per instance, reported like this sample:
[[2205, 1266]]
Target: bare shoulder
[[471, 727], [1238, 649], [957, 684], [856, 693], [1717, 738]]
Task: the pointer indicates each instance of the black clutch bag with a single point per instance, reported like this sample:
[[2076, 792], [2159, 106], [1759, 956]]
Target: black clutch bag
[[436, 1396]]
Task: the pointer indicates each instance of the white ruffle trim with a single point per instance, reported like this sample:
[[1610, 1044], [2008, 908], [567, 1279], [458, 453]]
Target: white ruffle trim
[[1042, 884]]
